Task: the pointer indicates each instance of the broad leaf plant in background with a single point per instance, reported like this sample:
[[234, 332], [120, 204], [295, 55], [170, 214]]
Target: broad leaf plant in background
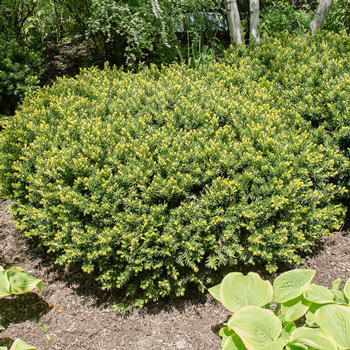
[[290, 314], [14, 281]]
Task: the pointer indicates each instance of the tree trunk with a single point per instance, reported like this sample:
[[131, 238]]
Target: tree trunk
[[234, 21], [254, 19], [320, 15]]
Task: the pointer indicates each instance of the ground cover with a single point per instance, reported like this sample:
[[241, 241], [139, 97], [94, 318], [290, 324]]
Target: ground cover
[[78, 316]]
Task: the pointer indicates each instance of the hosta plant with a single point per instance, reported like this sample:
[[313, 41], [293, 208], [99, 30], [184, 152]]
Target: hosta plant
[[290, 314], [14, 281]]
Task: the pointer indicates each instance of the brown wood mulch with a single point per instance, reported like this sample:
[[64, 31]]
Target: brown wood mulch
[[77, 316]]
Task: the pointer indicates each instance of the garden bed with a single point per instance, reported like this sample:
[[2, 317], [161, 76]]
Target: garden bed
[[78, 316]]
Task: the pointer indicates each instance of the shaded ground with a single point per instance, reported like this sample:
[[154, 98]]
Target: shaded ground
[[78, 317]]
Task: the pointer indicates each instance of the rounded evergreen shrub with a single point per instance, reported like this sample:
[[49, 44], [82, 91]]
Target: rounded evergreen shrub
[[157, 179]]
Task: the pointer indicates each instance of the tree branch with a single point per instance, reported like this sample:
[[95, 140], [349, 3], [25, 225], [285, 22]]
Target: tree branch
[[320, 15]]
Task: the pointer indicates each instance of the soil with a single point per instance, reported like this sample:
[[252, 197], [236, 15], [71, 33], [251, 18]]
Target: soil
[[73, 314]]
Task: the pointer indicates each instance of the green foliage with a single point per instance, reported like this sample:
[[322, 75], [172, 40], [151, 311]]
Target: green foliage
[[155, 180], [307, 77], [20, 70], [198, 53], [283, 16], [15, 281], [128, 27], [338, 18], [238, 291], [305, 316], [296, 16], [47, 335], [14, 14], [121, 32], [152, 31]]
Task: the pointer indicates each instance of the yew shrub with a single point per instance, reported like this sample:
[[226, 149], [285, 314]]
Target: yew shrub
[[155, 180]]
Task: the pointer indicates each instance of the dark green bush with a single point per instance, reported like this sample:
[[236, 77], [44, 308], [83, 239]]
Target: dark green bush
[[157, 179], [338, 18], [296, 16], [285, 16], [121, 32], [20, 70]]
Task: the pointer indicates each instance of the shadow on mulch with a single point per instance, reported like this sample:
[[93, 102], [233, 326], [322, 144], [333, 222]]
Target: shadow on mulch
[[328, 241], [22, 308], [346, 226], [7, 342], [216, 327], [85, 284]]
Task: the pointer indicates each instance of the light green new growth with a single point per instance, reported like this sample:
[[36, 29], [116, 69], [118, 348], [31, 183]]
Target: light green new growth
[[15, 281], [306, 316]]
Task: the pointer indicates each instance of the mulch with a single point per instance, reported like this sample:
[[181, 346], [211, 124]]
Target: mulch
[[73, 314]]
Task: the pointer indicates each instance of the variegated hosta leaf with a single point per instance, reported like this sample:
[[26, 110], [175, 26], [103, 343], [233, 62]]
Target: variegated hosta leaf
[[231, 345], [21, 281], [4, 283], [289, 285], [318, 294], [21, 345], [230, 340], [339, 297], [310, 319], [347, 289], [288, 328], [336, 284], [335, 320], [215, 292], [315, 338], [258, 328], [310, 315], [237, 291], [17, 281], [294, 309]]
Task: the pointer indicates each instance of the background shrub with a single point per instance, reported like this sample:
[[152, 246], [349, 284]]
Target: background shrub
[[307, 77], [19, 72], [284, 15], [296, 16], [120, 32], [338, 18], [71, 33], [157, 179]]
